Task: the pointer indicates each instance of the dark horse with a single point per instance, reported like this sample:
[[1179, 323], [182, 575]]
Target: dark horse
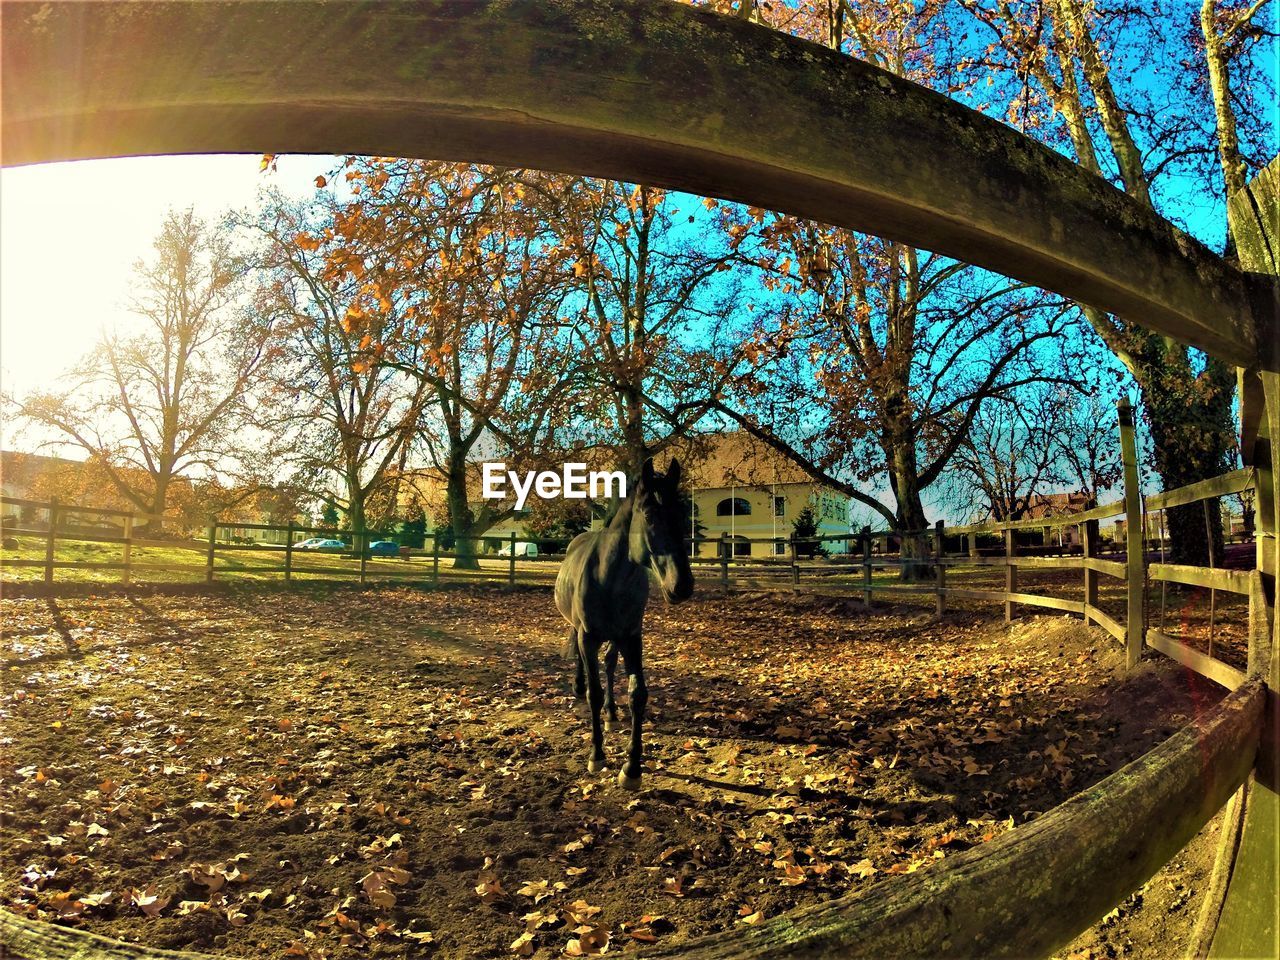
[[602, 590]]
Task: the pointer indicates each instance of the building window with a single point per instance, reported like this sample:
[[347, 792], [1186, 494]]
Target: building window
[[733, 507], [779, 506], [741, 547], [779, 548]]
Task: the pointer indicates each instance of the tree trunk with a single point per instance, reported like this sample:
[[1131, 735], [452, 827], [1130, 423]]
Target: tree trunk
[[154, 525], [911, 521], [634, 448], [461, 519], [355, 513]]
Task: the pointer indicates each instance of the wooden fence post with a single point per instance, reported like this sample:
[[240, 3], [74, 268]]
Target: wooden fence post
[[940, 570], [49, 540], [511, 562], [1247, 925], [1213, 562], [1135, 572], [1089, 534], [1010, 573], [208, 562], [127, 558], [435, 556], [866, 567], [288, 553], [795, 563], [724, 560]]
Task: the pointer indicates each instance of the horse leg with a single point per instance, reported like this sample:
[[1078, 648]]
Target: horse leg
[[588, 651], [579, 679], [610, 668], [629, 775]]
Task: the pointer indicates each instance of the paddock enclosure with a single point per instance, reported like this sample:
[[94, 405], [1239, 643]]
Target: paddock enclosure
[[659, 93], [293, 743]]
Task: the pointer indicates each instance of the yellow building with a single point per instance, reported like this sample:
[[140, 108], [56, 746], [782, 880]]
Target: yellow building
[[746, 491], [741, 489]]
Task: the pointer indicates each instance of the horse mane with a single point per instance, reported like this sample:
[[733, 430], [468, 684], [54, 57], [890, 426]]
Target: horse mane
[[619, 516]]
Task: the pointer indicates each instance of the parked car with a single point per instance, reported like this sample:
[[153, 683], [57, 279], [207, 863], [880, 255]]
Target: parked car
[[309, 543], [384, 548], [324, 545], [523, 549]]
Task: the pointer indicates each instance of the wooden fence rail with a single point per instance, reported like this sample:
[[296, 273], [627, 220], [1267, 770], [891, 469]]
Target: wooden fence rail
[[919, 557]]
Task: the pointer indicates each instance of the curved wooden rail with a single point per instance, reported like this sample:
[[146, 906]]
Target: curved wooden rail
[[33, 940], [1025, 894], [1037, 887], [632, 89]]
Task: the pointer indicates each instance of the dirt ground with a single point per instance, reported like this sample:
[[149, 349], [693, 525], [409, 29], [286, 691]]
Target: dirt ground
[[398, 773]]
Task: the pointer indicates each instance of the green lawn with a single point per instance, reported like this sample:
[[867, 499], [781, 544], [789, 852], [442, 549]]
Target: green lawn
[[232, 563]]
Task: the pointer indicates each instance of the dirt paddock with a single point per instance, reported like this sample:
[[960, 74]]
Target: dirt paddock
[[398, 773]]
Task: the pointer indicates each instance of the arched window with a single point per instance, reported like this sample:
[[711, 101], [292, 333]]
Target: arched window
[[733, 507]]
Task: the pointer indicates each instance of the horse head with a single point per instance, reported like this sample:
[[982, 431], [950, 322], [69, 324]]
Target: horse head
[[659, 522]]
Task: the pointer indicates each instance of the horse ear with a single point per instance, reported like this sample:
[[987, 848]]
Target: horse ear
[[673, 474], [646, 472]]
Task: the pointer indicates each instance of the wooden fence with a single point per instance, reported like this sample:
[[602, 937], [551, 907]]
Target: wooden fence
[[1075, 862], [920, 559], [213, 556], [1068, 866]]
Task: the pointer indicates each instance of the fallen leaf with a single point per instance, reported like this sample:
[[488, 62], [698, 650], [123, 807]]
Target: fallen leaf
[[594, 941], [580, 911], [539, 890], [148, 901], [489, 889]]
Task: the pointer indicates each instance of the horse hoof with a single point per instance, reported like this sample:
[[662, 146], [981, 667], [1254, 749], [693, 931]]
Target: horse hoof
[[595, 766], [630, 783]]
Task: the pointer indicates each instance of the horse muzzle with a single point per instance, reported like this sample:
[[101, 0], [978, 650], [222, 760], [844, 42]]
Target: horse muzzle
[[682, 590]]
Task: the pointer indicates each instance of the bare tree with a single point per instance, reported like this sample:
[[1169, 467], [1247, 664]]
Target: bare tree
[[1009, 454], [890, 359], [334, 404], [1054, 61], [659, 329], [1088, 442], [157, 404]]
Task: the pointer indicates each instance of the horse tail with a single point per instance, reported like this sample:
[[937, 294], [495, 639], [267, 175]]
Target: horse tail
[[571, 645]]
